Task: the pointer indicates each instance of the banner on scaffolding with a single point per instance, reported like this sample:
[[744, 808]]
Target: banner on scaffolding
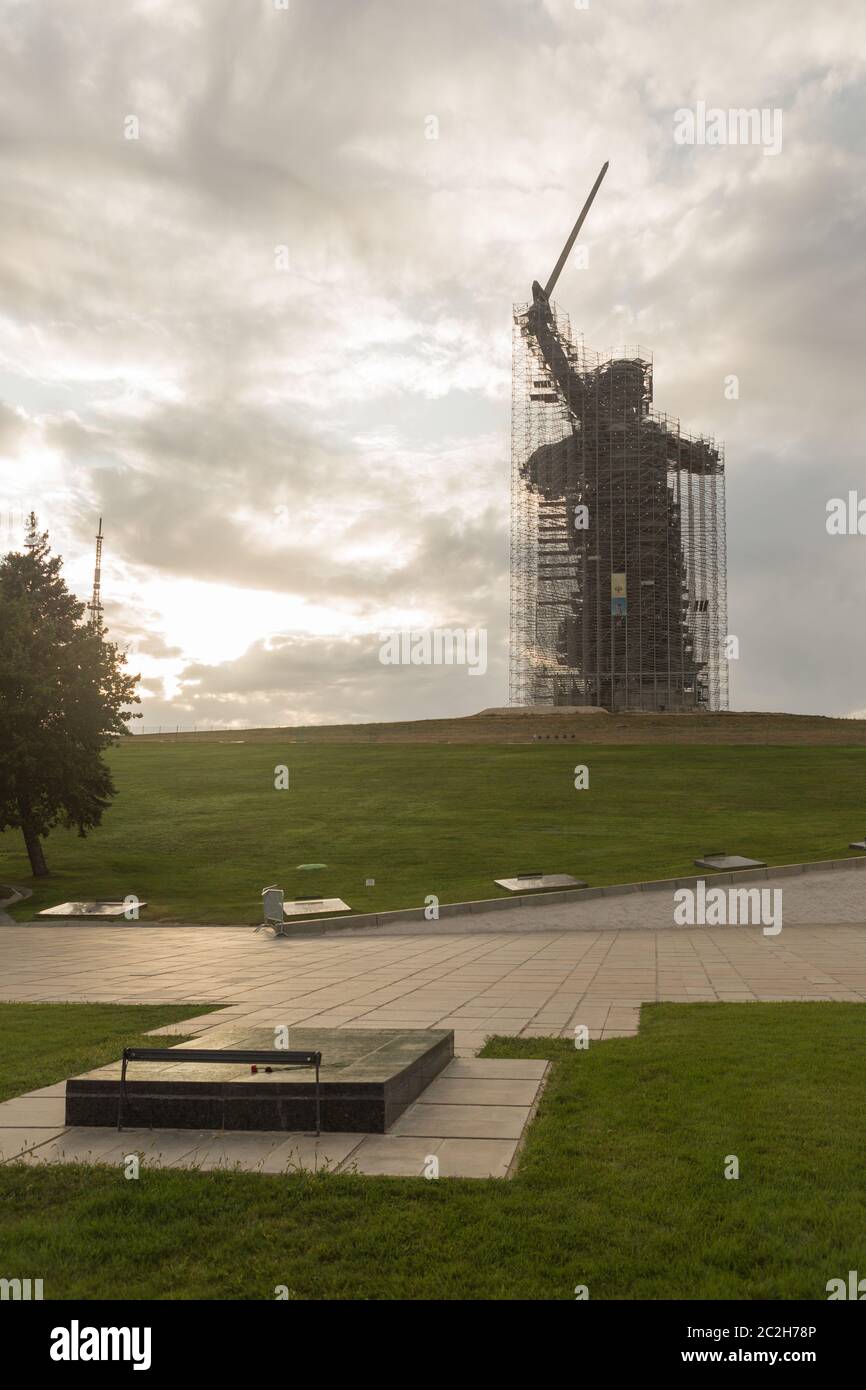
[[618, 597]]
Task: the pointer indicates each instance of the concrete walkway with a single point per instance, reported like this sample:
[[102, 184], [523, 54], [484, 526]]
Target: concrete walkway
[[819, 896], [538, 972], [555, 966]]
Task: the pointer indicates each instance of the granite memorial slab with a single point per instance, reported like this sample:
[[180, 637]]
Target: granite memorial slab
[[106, 908], [729, 861], [368, 1078], [310, 907], [531, 883]]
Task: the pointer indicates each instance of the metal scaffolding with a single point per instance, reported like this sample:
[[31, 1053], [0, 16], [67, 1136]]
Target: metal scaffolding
[[618, 580]]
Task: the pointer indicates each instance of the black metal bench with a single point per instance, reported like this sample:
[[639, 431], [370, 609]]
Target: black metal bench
[[274, 1058]]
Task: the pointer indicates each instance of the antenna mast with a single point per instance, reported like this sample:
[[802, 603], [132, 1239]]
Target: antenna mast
[[95, 604]]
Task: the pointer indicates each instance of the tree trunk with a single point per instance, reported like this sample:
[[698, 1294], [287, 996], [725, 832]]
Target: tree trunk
[[35, 852]]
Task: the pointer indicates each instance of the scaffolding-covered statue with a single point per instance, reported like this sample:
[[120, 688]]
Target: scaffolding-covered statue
[[618, 583]]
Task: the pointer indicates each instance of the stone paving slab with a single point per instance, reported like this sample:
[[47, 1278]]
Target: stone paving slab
[[449, 1090], [477, 1158], [390, 1155], [395, 1156], [462, 1121], [500, 1068], [15, 1142], [106, 1146], [58, 1089], [30, 1111], [273, 1153]]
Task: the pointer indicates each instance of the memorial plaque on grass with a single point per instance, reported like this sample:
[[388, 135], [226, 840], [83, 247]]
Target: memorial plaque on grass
[[98, 908], [722, 861], [531, 883], [308, 907]]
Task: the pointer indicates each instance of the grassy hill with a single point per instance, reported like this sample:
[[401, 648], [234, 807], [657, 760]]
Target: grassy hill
[[198, 828], [532, 726]]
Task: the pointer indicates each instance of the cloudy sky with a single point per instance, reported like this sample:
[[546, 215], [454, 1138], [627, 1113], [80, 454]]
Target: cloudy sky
[[268, 340]]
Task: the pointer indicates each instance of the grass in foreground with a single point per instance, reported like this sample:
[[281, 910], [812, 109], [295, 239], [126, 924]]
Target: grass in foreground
[[44, 1043], [620, 1187], [198, 829]]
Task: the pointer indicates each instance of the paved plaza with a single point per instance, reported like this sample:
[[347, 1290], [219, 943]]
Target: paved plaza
[[535, 972]]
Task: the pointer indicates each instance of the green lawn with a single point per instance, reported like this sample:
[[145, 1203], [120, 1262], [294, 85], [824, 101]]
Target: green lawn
[[44, 1043], [198, 829], [620, 1187]]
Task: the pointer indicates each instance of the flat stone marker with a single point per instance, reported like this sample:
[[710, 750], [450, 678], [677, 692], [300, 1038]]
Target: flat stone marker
[[729, 861], [307, 907], [95, 909], [527, 883], [857, 844]]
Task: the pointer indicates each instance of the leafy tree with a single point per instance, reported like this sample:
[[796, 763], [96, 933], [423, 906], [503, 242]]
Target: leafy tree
[[63, 699]]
